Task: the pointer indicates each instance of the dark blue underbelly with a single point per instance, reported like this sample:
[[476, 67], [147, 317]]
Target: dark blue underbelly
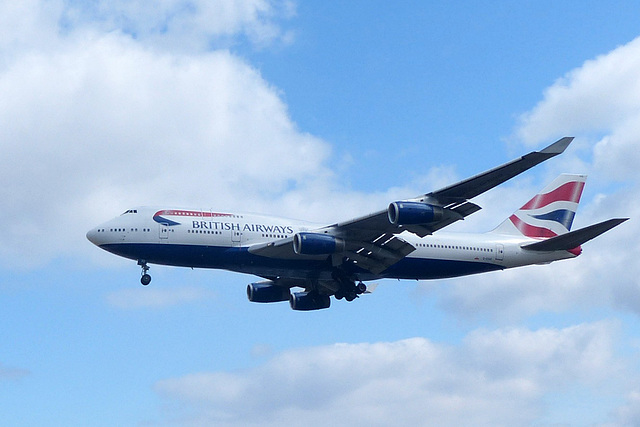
[[241, 260]]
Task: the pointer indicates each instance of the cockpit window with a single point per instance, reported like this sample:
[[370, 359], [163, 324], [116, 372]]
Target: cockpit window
[[131, 211]]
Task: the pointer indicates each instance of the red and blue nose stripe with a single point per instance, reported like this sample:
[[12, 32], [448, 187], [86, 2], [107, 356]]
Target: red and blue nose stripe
[[160, 216]]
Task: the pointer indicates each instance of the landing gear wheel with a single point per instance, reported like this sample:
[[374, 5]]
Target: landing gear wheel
[[347, 289], [146, 278]]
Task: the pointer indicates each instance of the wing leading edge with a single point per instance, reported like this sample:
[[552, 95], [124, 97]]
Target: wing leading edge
[[371, 241]]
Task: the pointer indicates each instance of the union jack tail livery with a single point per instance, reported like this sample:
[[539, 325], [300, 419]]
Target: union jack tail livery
[[550, 213]]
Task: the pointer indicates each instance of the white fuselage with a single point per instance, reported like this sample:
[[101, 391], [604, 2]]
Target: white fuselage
[[205, 239]]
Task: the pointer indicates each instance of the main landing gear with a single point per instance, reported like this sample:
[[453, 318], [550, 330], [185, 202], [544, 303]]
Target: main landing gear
[[146, 278], [349, 290]]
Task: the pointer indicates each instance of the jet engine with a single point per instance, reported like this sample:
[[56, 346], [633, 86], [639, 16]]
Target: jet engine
[[305, 301], [413, 213], [267, 291], [316, 244]]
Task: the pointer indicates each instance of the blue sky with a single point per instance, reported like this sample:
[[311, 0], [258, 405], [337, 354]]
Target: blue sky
[[321, 111]]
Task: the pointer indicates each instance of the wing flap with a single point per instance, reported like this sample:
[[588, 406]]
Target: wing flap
[[380, 254]]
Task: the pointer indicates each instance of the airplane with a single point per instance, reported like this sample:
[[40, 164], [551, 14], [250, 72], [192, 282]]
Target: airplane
[[403, 241]]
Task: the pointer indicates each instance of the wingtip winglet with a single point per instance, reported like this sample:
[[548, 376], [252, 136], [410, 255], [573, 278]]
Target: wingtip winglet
[[559, 146]]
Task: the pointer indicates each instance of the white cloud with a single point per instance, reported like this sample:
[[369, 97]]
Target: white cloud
[[92, 122], [187, 24], [515, 294], [493, 378], [616, 154], [27, 25], [629, 413], [596, 97]]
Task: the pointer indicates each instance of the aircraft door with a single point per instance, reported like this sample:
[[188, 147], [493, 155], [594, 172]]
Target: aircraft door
[[499, 252], [236, 237], [163, 231]]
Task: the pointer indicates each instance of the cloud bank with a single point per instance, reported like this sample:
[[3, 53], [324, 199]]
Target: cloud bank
[[493, 378], [100, 111]]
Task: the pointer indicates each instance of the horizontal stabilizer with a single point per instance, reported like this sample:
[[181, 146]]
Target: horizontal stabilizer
[[573, 239]]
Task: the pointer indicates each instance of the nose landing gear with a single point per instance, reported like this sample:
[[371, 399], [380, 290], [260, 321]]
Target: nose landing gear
[[146, 278]]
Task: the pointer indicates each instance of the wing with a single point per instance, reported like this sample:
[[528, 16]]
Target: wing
[[372, 241], [453, 199]]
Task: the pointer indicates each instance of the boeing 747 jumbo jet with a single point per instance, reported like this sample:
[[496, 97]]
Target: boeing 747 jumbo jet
[[403, 241]]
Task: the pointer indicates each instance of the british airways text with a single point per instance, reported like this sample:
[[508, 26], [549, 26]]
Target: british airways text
[[260, 228]]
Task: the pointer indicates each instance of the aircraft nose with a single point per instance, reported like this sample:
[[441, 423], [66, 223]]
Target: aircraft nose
[[92, 236]]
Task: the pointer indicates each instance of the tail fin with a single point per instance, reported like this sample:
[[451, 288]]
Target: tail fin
[[550, 213]]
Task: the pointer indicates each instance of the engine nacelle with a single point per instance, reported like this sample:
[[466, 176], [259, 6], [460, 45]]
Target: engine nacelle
[[412, 213], [305, 301], [267, 291], [316, 244]]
